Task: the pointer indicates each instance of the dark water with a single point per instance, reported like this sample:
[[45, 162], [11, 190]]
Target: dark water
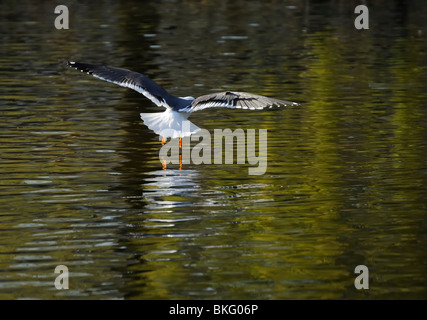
[[82, 184]]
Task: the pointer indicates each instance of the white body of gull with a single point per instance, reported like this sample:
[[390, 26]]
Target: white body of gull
[[170, 122]]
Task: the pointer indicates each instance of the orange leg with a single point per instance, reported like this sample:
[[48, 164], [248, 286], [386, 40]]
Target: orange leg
[[163, 158], [180, 156], [163, 163]]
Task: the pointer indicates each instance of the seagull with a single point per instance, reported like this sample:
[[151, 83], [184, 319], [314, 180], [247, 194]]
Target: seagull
[[173, 123]]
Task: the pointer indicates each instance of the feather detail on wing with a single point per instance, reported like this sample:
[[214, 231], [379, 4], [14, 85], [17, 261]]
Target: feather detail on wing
[[234, 100], [128, 79]]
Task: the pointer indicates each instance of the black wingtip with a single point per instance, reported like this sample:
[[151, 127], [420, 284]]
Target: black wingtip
[[83, 67], [75, 65]]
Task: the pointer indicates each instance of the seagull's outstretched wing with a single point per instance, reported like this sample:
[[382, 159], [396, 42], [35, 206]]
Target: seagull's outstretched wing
[[128, 79], [235, 100]]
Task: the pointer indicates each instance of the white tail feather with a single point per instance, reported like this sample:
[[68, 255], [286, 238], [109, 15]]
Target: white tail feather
[[169, 124]]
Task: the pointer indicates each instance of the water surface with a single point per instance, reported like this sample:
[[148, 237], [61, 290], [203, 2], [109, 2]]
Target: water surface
[[82, 185]]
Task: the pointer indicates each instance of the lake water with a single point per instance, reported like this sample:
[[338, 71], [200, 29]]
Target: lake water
[[346, 180]]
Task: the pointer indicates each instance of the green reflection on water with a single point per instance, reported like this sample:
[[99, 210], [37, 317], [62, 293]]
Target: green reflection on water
[[82, 184]]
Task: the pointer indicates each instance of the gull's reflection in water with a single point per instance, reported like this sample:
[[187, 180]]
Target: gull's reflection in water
[[170, 197], [163, 185]]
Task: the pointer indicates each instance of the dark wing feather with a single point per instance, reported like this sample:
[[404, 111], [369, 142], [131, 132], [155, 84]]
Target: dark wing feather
[[128, 79], [234, 100]]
